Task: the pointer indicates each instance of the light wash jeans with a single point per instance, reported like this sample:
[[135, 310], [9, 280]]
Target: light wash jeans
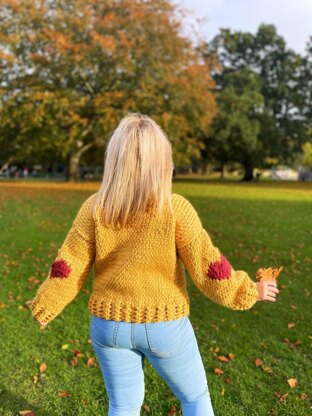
[[170, 347]]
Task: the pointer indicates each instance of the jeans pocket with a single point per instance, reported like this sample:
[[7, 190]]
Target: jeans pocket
[[167, 337], [103, 332]]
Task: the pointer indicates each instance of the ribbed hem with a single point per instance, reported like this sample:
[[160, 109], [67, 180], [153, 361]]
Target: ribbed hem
[[129, 312]]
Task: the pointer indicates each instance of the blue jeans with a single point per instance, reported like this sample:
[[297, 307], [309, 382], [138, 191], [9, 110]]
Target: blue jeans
[[170, 347]]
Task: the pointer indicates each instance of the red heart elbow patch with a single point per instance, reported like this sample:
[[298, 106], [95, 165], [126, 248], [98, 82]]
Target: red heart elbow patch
[[220, 269], [60, 268]]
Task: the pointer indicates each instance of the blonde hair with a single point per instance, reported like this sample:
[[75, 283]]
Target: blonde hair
[[137, 172]]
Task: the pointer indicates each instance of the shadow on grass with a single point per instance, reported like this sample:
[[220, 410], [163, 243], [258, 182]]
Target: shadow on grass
[[12, 403]]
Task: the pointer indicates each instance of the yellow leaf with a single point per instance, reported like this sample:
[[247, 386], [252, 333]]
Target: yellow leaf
[[64, 347], [266, 368], [292, 382], [291, 325]]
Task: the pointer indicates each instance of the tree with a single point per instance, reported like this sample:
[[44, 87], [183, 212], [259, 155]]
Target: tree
[[282, 123], [234, 133], [71, 69]]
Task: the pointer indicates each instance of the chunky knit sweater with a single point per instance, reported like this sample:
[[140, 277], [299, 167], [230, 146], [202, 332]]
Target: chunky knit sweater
[[139, 273]]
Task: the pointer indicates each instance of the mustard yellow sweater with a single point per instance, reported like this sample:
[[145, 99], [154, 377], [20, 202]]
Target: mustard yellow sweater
[[139, 273]]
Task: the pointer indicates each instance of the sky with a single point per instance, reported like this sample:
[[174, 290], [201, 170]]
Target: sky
[[292, 18]]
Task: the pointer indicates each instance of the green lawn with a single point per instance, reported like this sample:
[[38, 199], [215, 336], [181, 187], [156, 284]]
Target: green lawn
[[254, 225]]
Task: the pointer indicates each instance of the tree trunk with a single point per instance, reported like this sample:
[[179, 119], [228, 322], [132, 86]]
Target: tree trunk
[[205, 168], [73, 172], [223, 171], [6, 164], [74, 158], [248, 176]]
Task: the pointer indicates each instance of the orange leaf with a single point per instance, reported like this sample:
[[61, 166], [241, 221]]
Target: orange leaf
[[27, 413], [42, 367], [77, 353], [280, 396], [258, 362], [304, 396], [146, 408], [223, 358], [90, 361], [294, 345], [172, 411], [64, 393], [74, 361], [227, 380], [292, 382], [218, 371], [232, 356]]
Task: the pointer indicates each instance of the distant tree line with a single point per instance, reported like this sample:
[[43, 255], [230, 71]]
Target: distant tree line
[[70, 69]]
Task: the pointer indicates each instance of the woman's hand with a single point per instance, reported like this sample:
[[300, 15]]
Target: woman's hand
[[267, 290]]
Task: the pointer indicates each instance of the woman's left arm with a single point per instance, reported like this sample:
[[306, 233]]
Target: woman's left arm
[[70, 269]]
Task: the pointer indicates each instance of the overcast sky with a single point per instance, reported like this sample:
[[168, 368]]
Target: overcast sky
[[293, 18]]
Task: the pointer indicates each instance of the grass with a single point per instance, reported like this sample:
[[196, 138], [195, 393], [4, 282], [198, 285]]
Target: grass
[[254, 225]]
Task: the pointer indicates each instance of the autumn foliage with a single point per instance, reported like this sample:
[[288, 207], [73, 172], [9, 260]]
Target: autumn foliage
[[71, 69]]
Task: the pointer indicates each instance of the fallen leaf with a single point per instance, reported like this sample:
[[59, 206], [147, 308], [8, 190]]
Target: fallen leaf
[[172, 411], [304, 396], [27, 413], [258, 362], [291, 325], [292, 382], [42, 367], [64, 393], [266, 368], [227, 380], [222, 392], [223, 358], [64, 347], [90, 361], [295, 344], [146, 408], [77, 353], [280, 396], [35, 379], [74, 361], [218, 371], [232, 356]]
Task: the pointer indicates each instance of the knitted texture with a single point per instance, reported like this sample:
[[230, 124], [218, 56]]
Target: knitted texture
[[139, 273]]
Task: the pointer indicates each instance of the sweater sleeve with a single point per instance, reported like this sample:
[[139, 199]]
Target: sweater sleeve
[[208, 267], [70, 269]]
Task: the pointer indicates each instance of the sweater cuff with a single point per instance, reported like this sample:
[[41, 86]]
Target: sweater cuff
[[40, 313], [251, 296]]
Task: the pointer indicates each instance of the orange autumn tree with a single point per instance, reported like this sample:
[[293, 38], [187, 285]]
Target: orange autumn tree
[[70, 69]]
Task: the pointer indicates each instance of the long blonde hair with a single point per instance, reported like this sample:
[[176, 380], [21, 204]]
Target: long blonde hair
[[137, 172]]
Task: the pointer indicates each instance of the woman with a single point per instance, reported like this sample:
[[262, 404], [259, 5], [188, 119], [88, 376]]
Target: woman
[[139, 236]]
